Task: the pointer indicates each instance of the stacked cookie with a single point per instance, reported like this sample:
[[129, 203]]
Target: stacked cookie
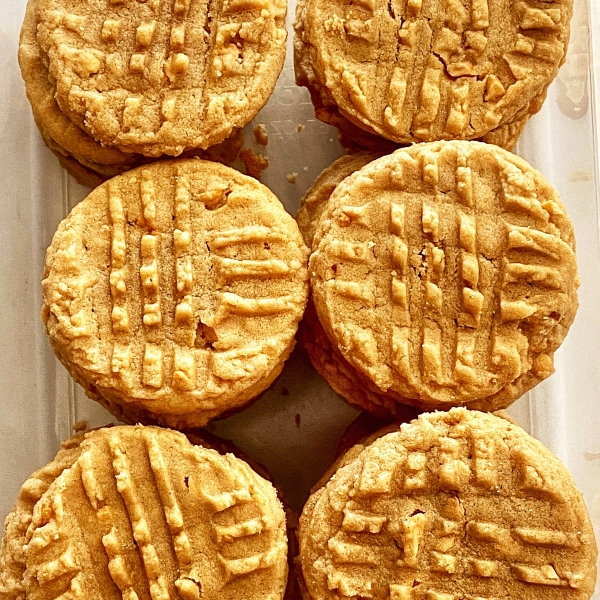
[[112, 83], [425, 71], [172, 293], [454, 505], [139, 512], [441, 275]]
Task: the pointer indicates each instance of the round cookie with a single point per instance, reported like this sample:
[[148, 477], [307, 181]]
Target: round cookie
[[84, 158], [138, 512], [161, 78], [172, 293], [453, 505], [446, 274], [425, 71]]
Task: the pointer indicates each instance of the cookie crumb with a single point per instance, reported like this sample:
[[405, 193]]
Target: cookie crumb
[[300, 127], [80, 426], [291, 177], [297, 419], [254, 163], [260, 134]]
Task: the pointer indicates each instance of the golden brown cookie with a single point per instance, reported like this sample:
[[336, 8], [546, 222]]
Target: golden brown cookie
[[446, 274], [140, 513], [451, 506], [88, 161], [424, 71], [161, 78], [173, 292]]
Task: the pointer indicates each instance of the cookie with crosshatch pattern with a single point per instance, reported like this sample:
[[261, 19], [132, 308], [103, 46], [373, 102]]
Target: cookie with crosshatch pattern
[[429, 70], [161, 77], [140, 512], [454, 505], [446, 274], [88, 161], [172, 293]]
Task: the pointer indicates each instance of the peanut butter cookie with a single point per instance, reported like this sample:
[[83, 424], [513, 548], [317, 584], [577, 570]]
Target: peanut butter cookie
[[83, 157], [454, 505], [172, 293], [429, 70], [161, 77], [446, 274], [140, 513]]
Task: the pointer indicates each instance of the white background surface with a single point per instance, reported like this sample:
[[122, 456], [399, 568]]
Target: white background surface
[[39, 404]]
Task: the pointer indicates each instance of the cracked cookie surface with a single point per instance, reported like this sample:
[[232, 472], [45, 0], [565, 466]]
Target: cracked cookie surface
[[424, 70], [161, 77], [453, 505], [141, 513], [446, 274], [175, 290]]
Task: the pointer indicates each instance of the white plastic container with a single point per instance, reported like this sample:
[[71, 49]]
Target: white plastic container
[[295, 427]]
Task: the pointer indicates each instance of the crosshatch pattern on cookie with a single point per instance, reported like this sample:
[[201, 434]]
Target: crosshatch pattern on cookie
[[445, 272], [205, 284], [436, 512], [443, 69], [160, 519], [162, 76]]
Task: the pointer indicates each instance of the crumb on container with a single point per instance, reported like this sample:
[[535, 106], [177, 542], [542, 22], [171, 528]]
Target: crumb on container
[[80, 426], [300, 127], [292, 177], [260, 134], [254, 163]]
